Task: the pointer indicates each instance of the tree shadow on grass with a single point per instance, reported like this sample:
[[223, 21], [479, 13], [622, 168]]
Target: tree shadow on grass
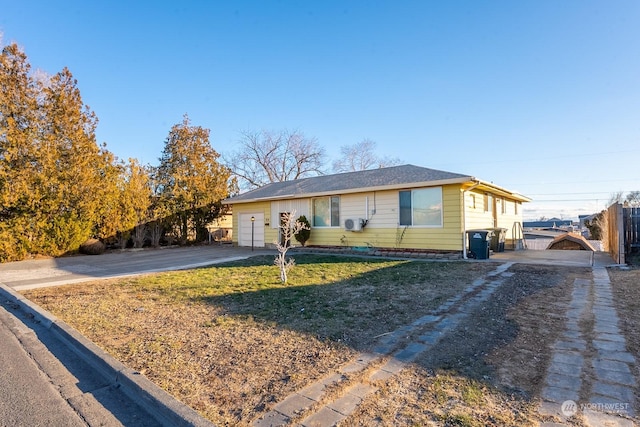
[[354, 309], [507, 332]]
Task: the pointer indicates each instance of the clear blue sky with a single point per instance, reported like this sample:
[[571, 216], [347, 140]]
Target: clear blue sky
[[542, 96]]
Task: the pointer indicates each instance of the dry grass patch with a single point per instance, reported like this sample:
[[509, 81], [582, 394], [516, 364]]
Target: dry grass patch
[[422, 397], [231, 340]]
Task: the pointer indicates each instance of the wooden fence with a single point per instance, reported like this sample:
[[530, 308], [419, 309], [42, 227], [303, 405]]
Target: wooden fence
[[631, 219], [623, 231]]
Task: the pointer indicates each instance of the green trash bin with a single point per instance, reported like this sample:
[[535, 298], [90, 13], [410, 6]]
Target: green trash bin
[[479, 242], [498, 239]]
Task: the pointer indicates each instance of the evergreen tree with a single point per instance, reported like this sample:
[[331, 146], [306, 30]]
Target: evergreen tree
[[53, 175], [72, 183], [127, 197], [190, 180], [19, 122]]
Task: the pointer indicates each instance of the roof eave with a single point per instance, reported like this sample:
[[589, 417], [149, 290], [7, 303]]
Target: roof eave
[[450, 181], [500, 191]]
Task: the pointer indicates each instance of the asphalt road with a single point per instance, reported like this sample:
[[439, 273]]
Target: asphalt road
[[44, 382], [37, 273], [27, 396]]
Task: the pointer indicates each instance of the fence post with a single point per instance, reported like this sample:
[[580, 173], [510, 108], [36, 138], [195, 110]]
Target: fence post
[[615, 233], [621, 239]]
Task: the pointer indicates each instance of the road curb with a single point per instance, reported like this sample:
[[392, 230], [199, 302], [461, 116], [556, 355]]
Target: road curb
[[166, 409]]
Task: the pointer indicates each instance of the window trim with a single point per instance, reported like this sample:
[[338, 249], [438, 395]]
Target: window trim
[[334, 220], [412, 192]]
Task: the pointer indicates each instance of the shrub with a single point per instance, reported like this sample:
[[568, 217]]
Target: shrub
[[92, 247], [303, 235]]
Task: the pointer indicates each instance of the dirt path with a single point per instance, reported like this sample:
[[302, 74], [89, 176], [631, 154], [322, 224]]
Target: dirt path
[[590, 376]]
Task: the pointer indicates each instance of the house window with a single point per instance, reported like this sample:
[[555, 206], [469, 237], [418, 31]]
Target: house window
[[503, 204], [488, 202], [421, 207], [515, 205], [473, 201], [326, 212]]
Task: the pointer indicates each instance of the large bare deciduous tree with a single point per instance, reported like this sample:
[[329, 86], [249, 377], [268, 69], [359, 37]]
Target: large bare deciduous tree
[[274, 156], [361, 156]]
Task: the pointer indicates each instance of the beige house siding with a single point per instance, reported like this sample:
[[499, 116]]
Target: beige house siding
[[382, 229], [300, 206], [482, 216]]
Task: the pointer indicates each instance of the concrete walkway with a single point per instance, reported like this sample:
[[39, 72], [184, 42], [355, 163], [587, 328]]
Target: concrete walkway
[[590, 375]]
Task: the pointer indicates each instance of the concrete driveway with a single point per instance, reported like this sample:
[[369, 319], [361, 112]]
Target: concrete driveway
[[30, 274], [549, 257]]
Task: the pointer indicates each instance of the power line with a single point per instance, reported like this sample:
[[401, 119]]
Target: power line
[[546, 158], [570, 194], [569, 200]]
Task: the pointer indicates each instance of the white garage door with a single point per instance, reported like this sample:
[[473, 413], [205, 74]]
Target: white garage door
[[244, 230]]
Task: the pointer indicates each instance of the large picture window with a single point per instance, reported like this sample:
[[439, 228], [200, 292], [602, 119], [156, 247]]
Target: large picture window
[[421, 207], [326, 212]]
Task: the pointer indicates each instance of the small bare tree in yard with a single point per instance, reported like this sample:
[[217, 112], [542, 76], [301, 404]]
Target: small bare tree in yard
[[289, 227]]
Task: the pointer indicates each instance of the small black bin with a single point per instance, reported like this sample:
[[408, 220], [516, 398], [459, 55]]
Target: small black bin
[[498, 239]]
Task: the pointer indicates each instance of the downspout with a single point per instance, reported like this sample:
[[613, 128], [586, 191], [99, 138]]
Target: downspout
[[464, 219]]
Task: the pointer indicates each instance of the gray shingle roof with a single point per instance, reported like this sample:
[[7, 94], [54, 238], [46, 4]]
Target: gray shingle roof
[[347, 182]]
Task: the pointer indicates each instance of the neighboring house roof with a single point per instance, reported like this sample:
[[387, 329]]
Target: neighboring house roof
[[544, 233], [552, 223], [396, 177]]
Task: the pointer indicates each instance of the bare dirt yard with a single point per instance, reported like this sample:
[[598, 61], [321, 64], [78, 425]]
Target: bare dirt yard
[[626, 295], [232, 341]]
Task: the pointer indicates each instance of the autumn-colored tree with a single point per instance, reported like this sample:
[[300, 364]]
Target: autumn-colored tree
[[189, 180], [137, 198], [74, 167], [127, 197], [18, 153], [51, 169]]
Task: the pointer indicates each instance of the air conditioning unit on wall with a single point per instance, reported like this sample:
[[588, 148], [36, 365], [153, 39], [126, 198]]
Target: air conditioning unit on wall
[[353, 224]]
